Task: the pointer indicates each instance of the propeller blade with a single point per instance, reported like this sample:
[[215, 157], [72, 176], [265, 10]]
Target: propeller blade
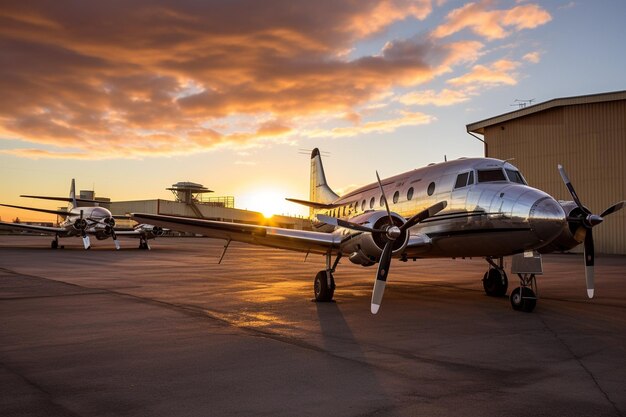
[[381, 277], [424, 214], [571, 190], [589, 262], [615, 207], [380, 185], [115, 241], [343, 223]]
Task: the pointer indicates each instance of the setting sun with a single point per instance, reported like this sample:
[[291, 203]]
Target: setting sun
[[267, 201]]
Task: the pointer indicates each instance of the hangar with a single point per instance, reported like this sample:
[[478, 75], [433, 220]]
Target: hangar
[[587, 135]]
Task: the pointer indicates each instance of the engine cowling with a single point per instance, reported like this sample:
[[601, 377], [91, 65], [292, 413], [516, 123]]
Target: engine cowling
[[80, 224], [571, 235], [365, 248]]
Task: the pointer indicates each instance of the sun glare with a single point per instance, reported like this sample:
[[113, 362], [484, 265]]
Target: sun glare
[[266, 201]]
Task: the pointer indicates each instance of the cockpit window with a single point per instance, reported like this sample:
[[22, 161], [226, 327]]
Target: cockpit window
[[461, 180], [515, 176], [491, 175]]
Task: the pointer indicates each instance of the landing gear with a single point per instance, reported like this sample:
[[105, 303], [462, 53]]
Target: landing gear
[[321, 287], [495, 281], [324, 282], [143, 244], [523, 298], [55, 243]]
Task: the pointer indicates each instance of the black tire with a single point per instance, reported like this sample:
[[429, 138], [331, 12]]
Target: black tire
[[54, 244], [323, 293], [523, 299], [495, 282]]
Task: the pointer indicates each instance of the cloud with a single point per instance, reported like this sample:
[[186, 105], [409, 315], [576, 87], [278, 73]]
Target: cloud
[[498, 73], [492, 24], [445, 97], [533, 57], [378, 126], [95, 80]]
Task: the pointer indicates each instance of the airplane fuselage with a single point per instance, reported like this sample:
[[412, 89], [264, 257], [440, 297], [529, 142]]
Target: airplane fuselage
[[490, 211]]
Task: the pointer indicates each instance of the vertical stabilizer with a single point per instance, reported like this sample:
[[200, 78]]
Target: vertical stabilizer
[[320, 192], [72, 203]]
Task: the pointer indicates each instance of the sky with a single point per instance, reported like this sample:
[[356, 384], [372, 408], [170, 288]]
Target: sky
[[132, 97]]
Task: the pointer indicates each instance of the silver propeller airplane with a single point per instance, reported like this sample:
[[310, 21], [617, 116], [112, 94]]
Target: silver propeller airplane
[[470, 207], [82, 218]]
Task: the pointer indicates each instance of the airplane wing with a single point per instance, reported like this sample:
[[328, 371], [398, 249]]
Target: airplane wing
[[275, 237], [61, 231], [57, 212], [418, 245]]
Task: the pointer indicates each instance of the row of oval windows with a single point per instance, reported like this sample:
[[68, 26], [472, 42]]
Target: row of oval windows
[[396, 198]]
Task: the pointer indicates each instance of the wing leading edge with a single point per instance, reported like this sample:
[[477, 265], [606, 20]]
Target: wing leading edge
[[275, 237]]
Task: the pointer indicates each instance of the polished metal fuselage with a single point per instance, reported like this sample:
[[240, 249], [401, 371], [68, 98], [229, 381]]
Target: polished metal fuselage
[[494, 218], [95, 218]]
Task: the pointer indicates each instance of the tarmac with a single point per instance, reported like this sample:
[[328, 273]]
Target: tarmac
[[170, 332]]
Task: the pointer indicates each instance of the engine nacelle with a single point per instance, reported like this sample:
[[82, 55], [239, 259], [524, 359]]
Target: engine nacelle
[[571, 235], [365, 248], [80, 224], [151, 230]]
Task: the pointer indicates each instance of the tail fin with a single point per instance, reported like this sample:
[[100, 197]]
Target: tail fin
[[72, 202], [319, 191]]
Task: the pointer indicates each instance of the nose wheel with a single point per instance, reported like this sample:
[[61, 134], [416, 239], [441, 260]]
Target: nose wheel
[[523, 298]]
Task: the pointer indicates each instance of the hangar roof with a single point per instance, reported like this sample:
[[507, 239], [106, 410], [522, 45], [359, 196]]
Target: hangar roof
[[479, 127]]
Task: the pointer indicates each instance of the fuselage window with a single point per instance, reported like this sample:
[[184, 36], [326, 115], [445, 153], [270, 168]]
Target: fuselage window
[[515, 176], [491, 175], [396, 197], [382, 200], [461, 180], [372, 200], [431, 188], [344, 210], [409, 194], [363, 205]]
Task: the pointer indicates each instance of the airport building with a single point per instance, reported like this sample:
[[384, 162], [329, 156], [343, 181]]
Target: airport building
[[585, 134], [190, 200]]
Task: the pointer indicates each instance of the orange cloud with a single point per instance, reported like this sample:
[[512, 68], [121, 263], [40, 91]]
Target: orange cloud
[[492, 24], [533, 57], [379, 126], [445, 97], [94, 81], [499, 72]]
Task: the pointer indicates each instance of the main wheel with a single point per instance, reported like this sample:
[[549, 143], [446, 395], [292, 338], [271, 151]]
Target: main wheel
[[495, 282], [54, 244], [323, 292], [523, 299]]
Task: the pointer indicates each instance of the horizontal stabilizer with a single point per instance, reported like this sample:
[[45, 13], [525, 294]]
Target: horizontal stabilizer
[[68, 199], [314, 205]]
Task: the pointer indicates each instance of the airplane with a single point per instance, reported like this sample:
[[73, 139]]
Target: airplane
[[84, 217], [469, 207]]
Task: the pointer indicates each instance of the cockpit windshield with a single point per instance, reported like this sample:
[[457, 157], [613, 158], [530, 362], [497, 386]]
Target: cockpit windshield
[[515, 176], [491, 175]]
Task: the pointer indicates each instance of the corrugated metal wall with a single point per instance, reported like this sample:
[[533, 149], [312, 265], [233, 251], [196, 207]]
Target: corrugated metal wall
[[589, 140]]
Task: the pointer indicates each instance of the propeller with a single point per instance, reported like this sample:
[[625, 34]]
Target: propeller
[[584, 233], [111, 223], [81, 224], [391, 232]]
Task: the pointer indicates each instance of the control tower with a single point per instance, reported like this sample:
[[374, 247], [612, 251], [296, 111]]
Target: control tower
[[188, 192]]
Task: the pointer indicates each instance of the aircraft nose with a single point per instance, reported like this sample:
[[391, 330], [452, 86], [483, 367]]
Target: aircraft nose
[[547, 218]]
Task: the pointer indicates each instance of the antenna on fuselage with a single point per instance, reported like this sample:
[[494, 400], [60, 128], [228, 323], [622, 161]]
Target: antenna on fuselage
[[445, 158]]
